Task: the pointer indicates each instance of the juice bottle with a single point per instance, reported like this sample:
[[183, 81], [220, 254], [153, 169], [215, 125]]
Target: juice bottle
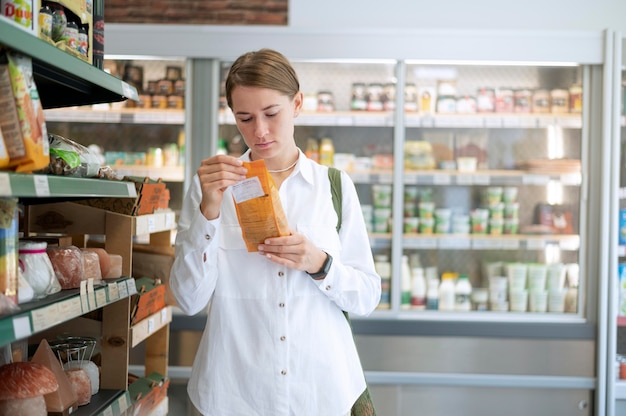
[[327, 152]]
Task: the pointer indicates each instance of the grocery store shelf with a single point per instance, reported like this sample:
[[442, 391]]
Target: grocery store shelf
[[39, 315], [510, 177], [124, 115], [566, 242], [54, 69], [386, 119], [106, 403], [149, 325], [165, 173], [51, 186]]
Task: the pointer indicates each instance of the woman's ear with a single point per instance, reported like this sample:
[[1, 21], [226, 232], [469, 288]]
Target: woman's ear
[[297, 103]]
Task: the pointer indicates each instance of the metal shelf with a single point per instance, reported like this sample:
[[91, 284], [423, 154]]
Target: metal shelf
[[37, 316], [50, 186], [62, 79]]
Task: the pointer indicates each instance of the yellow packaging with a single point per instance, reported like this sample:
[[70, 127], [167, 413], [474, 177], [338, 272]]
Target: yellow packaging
[[9, 121], [30, 114], [259, 210]]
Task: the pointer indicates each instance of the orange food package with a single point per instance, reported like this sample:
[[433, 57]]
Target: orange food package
[[30, 114], [259, 210]]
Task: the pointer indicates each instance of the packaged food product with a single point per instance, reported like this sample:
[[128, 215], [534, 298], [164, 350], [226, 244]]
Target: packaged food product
[[359, 97], [9, 121], [485, 100], [8, 248], [20, 12], [418, 155], [559, 99], [37, 268], [541, 101], [259, 209], [576, 98], [410, 97], [325, 101], [504, 100], [375, 97], [522, 100], [30, 114], [389, 96], [68, 158], [68, 266]]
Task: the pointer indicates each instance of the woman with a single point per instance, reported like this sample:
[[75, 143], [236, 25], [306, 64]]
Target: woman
[[276, 341]]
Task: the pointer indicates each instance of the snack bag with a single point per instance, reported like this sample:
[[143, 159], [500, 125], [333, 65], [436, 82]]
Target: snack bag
[[259, 210], [9, 120], [30, 114]]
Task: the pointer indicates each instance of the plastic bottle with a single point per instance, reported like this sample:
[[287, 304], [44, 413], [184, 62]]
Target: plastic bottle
[[462, 294], [447, 300], [312, 149], [405, 269], [221, 147], [327, 152], [418, 289], [432, 294]]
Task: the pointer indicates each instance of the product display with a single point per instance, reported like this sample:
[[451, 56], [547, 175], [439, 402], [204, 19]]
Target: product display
[[23, 386]]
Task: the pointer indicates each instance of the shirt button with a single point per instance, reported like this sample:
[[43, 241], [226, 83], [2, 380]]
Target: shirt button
[[207, 237], [281, 274], [327, 287], [283, 338], [283, 372], [281, 305], [204, 257]]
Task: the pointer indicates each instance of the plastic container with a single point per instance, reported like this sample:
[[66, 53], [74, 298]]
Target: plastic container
[[418, 289], [406, 284], [447, 300], [462, 294]]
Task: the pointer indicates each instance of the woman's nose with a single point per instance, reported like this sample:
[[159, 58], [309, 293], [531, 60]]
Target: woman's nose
[[261, 129]]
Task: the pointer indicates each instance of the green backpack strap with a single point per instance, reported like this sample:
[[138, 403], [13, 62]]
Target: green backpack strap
[[334, 175], [364, 405]]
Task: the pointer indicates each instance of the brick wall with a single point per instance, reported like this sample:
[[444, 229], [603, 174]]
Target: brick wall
[[215, 12]]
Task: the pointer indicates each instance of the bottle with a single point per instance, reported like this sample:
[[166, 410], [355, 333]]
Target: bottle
[[45, 22], [418, 289], [405, 302], [462, 293], [312, 150], [98, 34], [446, 292], [432, 295], [327, 152], [221, 147]]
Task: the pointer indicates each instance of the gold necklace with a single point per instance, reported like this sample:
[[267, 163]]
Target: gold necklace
[[285, 169]]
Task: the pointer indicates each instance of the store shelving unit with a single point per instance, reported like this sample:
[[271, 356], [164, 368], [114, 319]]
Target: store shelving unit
[[64, 80]]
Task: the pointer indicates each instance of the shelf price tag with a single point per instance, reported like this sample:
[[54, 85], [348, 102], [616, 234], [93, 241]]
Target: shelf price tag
[[101, 297], [123, 289], [5, 185], [42, 188], [114, 293], [21, 327], [571, 179], [108, 411], [70, 308], [163, 315], [449, 243], [531, 179], [170, 221], [83, 296], [91, 294], [151, 224], [482, 179], [535, 244], [131, 287], [442, 179], [44, 317], [510, 244], [150, 325], [424, 243], [486, 243], [569, 244], [132, 191], [123, 402], [464, 179]]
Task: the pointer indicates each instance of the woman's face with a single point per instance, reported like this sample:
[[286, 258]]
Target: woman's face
[[265, 119]]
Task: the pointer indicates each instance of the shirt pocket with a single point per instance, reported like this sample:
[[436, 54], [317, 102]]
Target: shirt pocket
[[324, 236], [241, 275]]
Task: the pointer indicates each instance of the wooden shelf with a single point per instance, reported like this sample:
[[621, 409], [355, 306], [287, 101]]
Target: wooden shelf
[[148, 326]]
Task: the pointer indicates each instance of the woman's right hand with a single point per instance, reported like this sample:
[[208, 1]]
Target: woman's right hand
[[216, 174]]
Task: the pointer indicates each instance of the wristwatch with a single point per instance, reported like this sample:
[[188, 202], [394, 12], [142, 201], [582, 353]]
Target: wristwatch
[[324, 270]]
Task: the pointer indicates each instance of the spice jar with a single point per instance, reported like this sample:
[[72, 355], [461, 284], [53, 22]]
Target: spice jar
[[559, 99], [576, 98], [485, 100], [374, 97], [522, 100], [541, 101], [325, 101], [45, 22], [359, 99]]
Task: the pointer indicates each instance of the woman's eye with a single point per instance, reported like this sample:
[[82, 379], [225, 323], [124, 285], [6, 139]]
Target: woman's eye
[[272, 115], [244, 120]]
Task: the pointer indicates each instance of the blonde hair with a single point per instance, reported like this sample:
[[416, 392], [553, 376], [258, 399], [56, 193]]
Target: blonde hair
[[265, 68]]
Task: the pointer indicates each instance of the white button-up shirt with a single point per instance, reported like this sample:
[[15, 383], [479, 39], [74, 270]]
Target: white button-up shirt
[[276, 342]]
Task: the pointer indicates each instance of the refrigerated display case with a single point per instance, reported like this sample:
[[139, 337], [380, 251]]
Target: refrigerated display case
[[558, 161]]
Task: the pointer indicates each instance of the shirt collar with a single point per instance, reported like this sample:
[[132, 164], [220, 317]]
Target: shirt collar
[[304, 166]]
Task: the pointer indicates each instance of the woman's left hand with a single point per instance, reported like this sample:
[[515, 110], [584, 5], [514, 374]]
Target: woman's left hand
[[294, 251]]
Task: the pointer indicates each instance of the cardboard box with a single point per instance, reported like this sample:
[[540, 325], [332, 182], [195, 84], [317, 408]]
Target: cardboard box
[[152, 195], [157, 265], [147, 392], [150, 298]]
